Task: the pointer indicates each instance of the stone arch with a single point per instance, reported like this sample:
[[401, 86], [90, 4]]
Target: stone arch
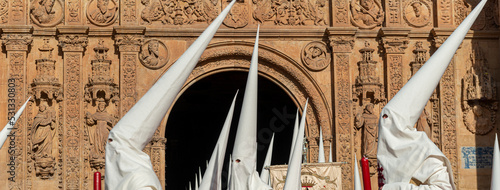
[[285, 72]]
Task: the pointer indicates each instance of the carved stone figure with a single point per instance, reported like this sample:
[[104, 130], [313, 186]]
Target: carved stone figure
[[417, 13], [369, 122], [154, 54], [42, 10], [178, 12], [237, 17], [315, 56], [295, 12], [102, 12], [43, 131], [367, 13], [99, 125]]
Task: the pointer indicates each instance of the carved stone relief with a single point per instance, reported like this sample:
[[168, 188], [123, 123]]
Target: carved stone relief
[[393, 12], [98, 126], [129, 11], [17, 11], [487, 19], [101, 83], [4, 11], [367, 87], [74, 11], [479, 95], [368, 120], [102, 12], [341, 12], [316, 56], [417, 13], [179, 12], [238, 16], [294, 12], [154, 54], [367, 14], [42, 133], [47, 12]]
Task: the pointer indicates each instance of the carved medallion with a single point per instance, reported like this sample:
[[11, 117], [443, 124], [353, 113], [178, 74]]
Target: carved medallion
[[102, 12], [316, 56], [367, 13], [237, 17], [46, 12], [417, 13], [154, 54]]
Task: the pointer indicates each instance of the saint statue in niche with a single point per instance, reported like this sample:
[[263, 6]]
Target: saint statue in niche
[[367, 13], [104, 12], [369, 122], [43, 11], [99, 125], [43, 131], [154, 54]]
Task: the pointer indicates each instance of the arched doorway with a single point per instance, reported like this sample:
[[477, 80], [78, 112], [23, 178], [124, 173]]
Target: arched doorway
[[196, 119]]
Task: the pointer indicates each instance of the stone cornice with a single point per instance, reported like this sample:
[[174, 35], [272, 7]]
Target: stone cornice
[[129, 43], [341, 39], [16, 42]]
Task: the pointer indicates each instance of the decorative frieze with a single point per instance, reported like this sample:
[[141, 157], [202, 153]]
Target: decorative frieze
[[367, 14], [292, 13]]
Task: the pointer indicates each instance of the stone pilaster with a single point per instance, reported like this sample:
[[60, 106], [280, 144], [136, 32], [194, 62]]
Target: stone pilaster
[[340, 13], [393, 13], [342, 43], [395, 41], [17, 41], [73, 42], [448, 106]]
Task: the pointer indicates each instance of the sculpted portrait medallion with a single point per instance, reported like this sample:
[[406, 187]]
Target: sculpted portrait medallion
[[315, 56], [237, 17], [154, 54], [46, 13], [417, 13], [102, 12], [366, 13]]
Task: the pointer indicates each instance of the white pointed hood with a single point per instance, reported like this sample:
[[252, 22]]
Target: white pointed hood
[[127, 167], [245, 146], [293, 181], [10, 125], [321, 153], [294, 137], [357, 179], [404, 153], [264, 174], [196, 185], [219, 152], [200, 178], [229, 172], [495, 169]]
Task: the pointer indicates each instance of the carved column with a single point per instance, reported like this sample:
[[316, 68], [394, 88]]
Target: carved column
[[395, 42], [448, 105], [17, 41], [342, 43], [73, 46]]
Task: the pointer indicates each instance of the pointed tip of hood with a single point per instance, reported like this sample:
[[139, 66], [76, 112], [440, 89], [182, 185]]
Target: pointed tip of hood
[[10, 125]]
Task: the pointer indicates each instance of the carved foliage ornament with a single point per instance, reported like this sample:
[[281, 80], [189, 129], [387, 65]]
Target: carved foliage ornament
[[179, 12], [417, 13], [316, 56], [102, 12], [367, 14], [154, 54], [47, 12], [4, 11], [294, 12]]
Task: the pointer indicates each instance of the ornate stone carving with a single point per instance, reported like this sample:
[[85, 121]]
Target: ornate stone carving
[[45, 84], [17, 42], [101, 83], [369, 122], [129, 43], [295, 12], [367, 13], [479, 95], [47, 12], [444, 12], [73, 42], [102, 12], [129, 82], [395, 45], [74, 11], [179, 12], [316, 56], [487, 19], [394, 48], [42, 134], [17, 11], [341, 13], [417, 13], [154, 54], [368, 88], [4, 11], [129, 11], [341, 43], [393, 12], [238, 16]]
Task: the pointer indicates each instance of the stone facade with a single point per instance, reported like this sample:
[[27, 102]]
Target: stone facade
[[86, 62]]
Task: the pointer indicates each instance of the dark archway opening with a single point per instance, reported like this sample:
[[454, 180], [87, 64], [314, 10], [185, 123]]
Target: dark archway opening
[[197, 117]]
